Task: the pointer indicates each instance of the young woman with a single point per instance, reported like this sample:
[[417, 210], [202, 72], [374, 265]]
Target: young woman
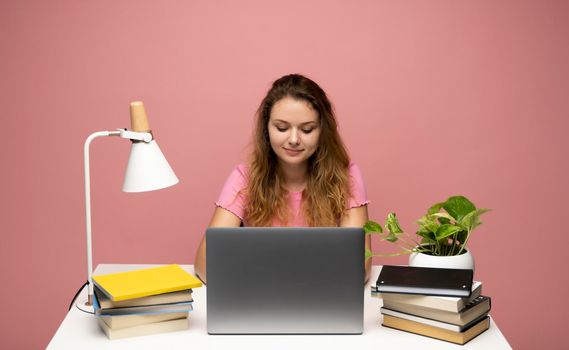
[[299, 174]]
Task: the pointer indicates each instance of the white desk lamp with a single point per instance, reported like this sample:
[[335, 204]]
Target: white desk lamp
[[147, 170]]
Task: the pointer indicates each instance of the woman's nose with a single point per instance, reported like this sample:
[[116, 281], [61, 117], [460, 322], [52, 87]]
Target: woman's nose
[[294, 138]]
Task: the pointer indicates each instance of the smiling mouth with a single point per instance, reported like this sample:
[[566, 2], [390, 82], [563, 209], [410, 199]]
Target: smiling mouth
[[293, 152]]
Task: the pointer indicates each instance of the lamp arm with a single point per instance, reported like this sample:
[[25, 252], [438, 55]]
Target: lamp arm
[[88, 207], [136, 135]]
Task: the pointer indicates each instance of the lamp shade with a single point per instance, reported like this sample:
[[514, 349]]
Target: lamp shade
[[147, 169]]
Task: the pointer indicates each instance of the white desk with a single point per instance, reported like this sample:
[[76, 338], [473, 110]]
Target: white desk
[[80, 330]]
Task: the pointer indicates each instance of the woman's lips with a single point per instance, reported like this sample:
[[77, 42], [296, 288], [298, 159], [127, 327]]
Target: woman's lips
[[293, 152]]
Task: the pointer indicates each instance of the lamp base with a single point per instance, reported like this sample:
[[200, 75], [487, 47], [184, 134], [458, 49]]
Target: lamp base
[[84, 302]]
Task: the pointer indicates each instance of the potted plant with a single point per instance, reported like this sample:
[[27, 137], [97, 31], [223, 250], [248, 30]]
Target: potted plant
[[442, 237]]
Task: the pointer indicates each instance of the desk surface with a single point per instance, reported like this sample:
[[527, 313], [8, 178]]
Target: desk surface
[[80, 330]]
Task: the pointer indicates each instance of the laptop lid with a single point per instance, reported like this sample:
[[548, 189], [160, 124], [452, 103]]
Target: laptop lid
[[285, 280]]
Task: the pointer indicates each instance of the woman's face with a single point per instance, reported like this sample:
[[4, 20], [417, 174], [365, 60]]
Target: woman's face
[[294, 130]]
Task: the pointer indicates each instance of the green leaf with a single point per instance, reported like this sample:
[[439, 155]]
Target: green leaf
[[368, 254], [444, 221], [444, 218], [441, 215], [435, 208], [426, 235], [472, 220], [427, 223], [458, 207], [372, 227], [447, 230], [392, 224], [391, 237]]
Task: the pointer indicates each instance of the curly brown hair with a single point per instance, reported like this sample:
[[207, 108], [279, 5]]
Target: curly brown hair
[[328, 188]]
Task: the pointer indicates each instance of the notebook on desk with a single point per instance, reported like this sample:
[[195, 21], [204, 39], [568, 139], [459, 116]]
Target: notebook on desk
[[285, 280]]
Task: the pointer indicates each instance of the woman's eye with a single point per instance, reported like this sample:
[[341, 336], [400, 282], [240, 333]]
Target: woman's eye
[[281, 129], [307, 131]]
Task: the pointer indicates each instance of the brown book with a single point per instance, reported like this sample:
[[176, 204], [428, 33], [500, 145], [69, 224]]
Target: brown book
[[125, 321], [474, 310], [435, 332]]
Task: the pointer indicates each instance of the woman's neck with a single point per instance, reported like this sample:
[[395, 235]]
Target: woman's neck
[[294, 176]]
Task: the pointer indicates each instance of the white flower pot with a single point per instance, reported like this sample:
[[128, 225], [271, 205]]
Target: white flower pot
[[462, 261]]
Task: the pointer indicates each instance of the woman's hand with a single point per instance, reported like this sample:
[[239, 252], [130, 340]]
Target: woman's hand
[[221, 218], [357, 217]]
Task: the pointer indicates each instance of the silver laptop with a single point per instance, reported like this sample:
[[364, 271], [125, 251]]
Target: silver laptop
[[285, 280]]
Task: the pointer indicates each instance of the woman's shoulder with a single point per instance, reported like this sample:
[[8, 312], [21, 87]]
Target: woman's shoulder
[[355, 172], [239, 174], [231, 196], [242, 168], [358, 190]]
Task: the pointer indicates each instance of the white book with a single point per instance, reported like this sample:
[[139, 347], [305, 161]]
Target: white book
[[453, 304], [478, 307], [147, 309], [145, 329], [182, 296], [125, 321]]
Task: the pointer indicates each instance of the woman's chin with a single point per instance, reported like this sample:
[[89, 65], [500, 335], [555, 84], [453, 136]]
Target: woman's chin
[[293, 161]]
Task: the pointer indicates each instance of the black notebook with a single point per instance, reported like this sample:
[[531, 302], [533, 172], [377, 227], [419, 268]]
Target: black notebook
[[425, 280]]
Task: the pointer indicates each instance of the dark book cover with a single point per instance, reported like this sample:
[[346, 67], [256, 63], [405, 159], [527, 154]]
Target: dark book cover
[[425, 280]]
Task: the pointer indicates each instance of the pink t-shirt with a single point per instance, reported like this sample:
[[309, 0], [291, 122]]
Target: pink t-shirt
[[231, 199]]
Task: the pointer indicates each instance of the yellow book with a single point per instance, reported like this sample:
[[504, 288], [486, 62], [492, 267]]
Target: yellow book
[[141, 283]]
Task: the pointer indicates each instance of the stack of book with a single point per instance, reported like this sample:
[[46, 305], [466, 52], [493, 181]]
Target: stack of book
[[142, 302], [439, 303]]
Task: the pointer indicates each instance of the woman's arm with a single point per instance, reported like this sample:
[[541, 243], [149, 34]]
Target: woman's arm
[[357, 217], [221, 218]]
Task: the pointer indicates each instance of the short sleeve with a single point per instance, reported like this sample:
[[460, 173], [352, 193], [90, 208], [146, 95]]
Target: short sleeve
[[359, 196], [231, 196]]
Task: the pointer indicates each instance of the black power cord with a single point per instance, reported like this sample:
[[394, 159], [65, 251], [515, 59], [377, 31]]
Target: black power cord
[[77, 294]]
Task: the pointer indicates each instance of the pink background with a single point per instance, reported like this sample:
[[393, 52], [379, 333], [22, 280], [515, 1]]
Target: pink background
[[434, 98]]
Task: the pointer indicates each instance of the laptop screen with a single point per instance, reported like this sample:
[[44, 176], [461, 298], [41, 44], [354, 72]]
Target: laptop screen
[[285, 280]]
